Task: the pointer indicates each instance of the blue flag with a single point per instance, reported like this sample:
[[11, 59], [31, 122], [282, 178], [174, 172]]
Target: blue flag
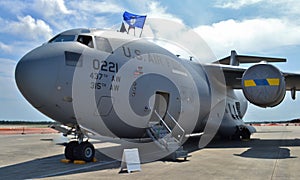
[[134, 20]]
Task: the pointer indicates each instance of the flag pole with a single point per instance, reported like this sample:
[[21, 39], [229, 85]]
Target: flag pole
[[141, 32], [142, 27]]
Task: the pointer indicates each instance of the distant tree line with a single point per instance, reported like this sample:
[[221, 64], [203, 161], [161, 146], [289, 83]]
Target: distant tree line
[[278, 122], [3, 122]]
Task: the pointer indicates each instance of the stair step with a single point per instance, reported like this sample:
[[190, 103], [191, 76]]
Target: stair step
[[153, 123], [159, 135], [167, 138], [180, 153], [161, 131], [172, 146]]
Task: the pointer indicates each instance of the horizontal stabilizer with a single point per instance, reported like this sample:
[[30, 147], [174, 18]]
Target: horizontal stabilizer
[[235, 59]]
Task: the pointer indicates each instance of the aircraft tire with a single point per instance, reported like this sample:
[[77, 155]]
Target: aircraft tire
[[69, 150], [84, 151], [245, 134]]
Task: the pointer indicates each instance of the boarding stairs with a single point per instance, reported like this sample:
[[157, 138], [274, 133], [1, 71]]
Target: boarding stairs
[[168, 135]]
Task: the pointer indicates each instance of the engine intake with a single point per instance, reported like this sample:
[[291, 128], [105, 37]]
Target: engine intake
[[263, 85]]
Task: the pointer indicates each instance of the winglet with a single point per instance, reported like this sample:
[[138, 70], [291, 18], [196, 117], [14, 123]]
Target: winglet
[[234, 59]]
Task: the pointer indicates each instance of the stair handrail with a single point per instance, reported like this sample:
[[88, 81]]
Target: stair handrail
[[177, 124], [166, 125], [160, 118]]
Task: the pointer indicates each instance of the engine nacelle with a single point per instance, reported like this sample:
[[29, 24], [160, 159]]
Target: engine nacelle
[[263, 85]]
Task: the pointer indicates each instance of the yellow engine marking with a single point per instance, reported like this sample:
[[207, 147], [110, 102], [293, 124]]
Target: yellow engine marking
[[262, 82], [273, 81], [248, 83]]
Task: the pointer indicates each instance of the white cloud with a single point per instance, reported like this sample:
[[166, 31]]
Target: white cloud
[[50, 8], [73, 14], [235, 4], [7, 67], [28, 28], [288, 8], [100, 22], [7, 74], [5, 48], [54, 12], [96, 7], [178, 39], [249, 35], [15, 7], [158, 11], [93, 13]]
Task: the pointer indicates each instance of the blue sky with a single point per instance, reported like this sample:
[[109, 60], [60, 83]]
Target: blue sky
[[258, 27]]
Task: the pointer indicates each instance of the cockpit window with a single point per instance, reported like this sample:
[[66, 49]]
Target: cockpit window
[[86, 40], [62, 38], [103, 44]]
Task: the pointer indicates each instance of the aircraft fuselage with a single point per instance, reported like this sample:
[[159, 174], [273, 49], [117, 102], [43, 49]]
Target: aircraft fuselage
[[116, 87]]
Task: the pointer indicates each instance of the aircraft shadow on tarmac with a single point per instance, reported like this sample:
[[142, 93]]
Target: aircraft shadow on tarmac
[[257, 148], [51, 166], [270, 153]]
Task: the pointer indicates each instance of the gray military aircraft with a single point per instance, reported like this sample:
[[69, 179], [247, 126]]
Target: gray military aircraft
[[107, 83]]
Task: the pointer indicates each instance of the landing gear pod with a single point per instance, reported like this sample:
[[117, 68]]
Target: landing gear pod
[[263, 85]]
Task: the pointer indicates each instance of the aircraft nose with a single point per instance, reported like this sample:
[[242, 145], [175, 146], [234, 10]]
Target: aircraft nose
[[36, 74]]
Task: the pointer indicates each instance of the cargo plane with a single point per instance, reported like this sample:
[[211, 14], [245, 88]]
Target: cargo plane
[[104, 83]]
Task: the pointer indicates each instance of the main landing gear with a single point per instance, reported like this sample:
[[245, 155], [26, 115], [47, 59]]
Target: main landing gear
[[79, 150], [242, 133]]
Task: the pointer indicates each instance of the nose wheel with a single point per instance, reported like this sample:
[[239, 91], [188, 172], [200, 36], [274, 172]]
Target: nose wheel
[[84, 151]]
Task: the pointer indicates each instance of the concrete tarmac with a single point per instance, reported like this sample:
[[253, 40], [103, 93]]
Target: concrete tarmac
[[272, 153]]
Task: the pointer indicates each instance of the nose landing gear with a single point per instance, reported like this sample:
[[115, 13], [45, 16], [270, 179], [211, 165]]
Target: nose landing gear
[[84, 151], [79, 150]]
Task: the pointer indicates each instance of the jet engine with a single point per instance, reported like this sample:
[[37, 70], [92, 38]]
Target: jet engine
[[263, 85]]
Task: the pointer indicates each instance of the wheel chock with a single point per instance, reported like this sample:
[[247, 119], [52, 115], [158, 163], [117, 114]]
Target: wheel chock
[[76, 161], [79, 162], [65, 161]]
